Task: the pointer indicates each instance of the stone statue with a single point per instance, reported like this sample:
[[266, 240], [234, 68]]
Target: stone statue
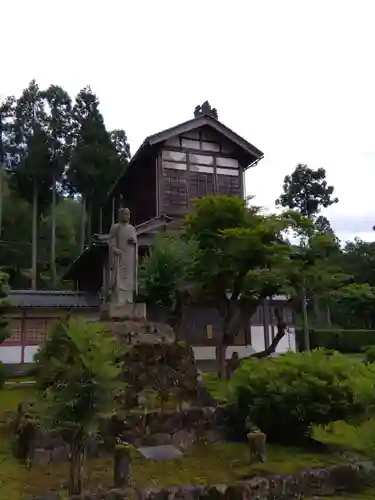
[[123, 260]]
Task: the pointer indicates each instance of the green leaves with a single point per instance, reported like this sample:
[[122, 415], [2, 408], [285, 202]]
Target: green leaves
[[302, 389], [76, 375], [99, 156], [306, 190], [238, 247], [167, 271]]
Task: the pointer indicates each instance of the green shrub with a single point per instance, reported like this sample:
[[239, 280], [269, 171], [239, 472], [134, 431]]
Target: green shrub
[[370, 354], [2, 374], [286, 395], [346, 341]]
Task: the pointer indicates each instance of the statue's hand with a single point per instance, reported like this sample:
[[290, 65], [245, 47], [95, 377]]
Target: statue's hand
[[131, 240]]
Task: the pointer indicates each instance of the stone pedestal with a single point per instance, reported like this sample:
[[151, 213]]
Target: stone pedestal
[[134, 311]]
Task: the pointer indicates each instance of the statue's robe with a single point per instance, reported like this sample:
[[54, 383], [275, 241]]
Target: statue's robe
[[123, 262]]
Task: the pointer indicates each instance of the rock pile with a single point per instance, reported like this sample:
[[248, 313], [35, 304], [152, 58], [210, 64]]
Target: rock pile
[[158, 371], [179, 428]]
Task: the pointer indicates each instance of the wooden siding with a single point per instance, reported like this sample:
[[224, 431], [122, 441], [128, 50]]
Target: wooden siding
[[196, 164], [28, 327]]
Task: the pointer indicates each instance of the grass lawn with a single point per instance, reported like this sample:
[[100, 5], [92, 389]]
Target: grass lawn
[[203, 464]]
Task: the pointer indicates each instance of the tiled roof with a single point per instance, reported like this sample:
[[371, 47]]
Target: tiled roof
[[53, 298]]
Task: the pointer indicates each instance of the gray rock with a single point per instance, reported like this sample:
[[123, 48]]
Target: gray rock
[[183, 439], [53, 495], [160, 453], [60, 454], [214, 436], [160, 439], [42, 456]]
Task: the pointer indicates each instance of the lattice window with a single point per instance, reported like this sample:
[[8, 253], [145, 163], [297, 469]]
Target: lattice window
[[200, 184], [229, 185], [175, 188], [35, 330], [15, 330]]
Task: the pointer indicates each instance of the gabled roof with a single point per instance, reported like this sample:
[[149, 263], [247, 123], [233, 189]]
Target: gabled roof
[[251, 151], [200, 121], [98, 247], [53, 299]]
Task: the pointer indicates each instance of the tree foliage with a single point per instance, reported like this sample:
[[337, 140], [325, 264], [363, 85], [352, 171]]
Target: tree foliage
[[306, 191], [76, 375], [52, 147], [166, 273], [242, 259], [302, 389]]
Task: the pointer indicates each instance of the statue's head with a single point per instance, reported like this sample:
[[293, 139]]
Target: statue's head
[[124, 215]]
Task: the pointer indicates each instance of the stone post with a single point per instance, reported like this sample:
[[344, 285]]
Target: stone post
[[122, 465], [256, 441]]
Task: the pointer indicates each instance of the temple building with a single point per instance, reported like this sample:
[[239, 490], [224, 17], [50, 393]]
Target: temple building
[[198, 157]]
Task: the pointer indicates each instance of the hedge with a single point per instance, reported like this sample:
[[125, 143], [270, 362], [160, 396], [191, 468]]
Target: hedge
[[346, 341]]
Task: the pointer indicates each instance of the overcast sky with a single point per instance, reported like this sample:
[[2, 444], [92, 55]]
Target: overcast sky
[[294, 77]]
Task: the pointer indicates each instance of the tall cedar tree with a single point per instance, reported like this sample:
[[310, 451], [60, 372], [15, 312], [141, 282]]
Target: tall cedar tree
[[30, 159], [6, 119], [59, 129], [96, 162], [5, 307]]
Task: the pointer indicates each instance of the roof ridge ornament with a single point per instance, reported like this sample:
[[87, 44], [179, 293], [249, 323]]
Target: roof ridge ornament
[[206, 109]]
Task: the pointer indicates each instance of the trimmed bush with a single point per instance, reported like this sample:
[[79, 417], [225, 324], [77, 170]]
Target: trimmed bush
[[370, 354], [285, 396], [346, 341], [2, 374]]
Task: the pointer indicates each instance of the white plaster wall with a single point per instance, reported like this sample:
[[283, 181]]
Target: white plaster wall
[[30, 351], [257, 337], [208, 352], [10, 354]]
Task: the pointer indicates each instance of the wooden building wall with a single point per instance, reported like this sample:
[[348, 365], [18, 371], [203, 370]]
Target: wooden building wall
[[196, 164]]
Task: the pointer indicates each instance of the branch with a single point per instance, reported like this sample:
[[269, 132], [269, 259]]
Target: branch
[[281, 331]]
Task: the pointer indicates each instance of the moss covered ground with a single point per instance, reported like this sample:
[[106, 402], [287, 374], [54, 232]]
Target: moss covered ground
[[203, 464]]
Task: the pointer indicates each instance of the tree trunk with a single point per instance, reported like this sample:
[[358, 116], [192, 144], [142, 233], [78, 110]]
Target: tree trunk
[[306, 334], [100, 220], [83, 225], [317, 312], [221, 350], [281, 331], [237, 315], [231, 327], [53, 232], [34, 237], [1, 191], [76, 468], [89, 223], [328, 316]]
